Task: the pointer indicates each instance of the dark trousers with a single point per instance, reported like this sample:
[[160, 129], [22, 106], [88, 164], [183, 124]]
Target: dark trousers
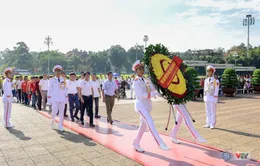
[[39, 100], [19, 95], [25, 96], [74, 103], [88, 105], [34, 100], [96, 99]]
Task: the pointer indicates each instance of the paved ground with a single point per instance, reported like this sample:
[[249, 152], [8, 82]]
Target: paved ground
[[237, 128], [33, 142]]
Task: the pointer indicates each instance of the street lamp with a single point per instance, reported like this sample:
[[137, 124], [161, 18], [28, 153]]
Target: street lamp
[[249, 20], [235, 55], [48, 42], [145, 40]]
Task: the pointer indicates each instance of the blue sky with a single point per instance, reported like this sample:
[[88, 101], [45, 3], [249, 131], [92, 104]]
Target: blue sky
[[96, 25]]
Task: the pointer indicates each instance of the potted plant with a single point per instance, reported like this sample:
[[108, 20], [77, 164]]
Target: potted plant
[[195, 80], [256, 81], [229, 82]]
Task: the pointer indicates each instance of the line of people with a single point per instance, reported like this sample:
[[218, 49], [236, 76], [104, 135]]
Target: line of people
[[82, 93], [59, 92]]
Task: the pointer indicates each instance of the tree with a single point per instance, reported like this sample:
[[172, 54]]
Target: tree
[[117, 56], [56, 58], [19, 57], [135, 53]]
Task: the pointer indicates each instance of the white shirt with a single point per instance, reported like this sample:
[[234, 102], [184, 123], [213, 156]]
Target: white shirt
[[57, 90], [7, 88], [14, 85], [143, 98], [96, 86], [43, 84], [101, 81], [109, 87], [19, 84], [86, 87], [72, 87], [211, 89]]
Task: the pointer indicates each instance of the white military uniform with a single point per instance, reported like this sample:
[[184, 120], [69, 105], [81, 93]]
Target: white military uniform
[[181, 115], [211, 89], [7, 100], [58, 94], [131, 86], [143, 105]]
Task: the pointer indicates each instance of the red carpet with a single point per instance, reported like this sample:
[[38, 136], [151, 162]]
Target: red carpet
[[119, 137]]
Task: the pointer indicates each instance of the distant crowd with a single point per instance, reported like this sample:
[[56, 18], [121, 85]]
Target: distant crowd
[[31, 91]]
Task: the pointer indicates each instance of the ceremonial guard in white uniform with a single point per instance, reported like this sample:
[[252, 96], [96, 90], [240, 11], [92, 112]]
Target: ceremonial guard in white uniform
[[211, 89], [182, 114], [131, 85], [57, 93], [7, 97], [143, 105]]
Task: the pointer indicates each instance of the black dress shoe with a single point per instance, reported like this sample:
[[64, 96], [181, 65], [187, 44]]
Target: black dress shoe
[[108, 120], [82, 122], [66, 115], [76, 117], [92, 125], [111, 122], [97, 116], [72, 120]]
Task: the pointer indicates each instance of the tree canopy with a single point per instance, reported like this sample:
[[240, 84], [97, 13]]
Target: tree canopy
[[115, 58]]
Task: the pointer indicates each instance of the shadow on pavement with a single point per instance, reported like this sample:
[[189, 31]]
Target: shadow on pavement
[[76, 138], [106, 131], [239, 133], [218, 154], [19, 134], [171, 161]]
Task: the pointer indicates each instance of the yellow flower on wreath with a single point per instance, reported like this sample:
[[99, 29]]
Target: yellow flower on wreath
[[179, 88]]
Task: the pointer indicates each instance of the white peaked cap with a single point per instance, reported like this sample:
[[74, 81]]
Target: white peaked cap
[[8, 69], [57, 67], [136, 65], [210, 67]]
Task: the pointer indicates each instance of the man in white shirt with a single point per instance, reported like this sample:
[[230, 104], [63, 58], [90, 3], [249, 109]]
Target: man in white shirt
[[101, 81], [131, 85], [72, 90], [7, 97], [108, 93], [43, 86], [144, 91], [211, 90], [19, 89], [86, 97], [57, 93], [96, 89]]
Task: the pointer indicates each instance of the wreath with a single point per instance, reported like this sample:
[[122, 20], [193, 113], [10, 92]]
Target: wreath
[[168, 74]]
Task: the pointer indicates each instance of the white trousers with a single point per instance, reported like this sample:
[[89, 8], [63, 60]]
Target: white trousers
[[146, 120], [58, 106], [7, 113], [181, 115], [132, 91], [210, 113]]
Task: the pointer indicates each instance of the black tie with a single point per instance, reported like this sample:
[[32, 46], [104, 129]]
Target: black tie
[[143, 79], [58, 79], [209, 80]]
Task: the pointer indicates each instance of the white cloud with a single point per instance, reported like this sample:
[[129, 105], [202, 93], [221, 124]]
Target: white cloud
[[225, 5], [96, 25]]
